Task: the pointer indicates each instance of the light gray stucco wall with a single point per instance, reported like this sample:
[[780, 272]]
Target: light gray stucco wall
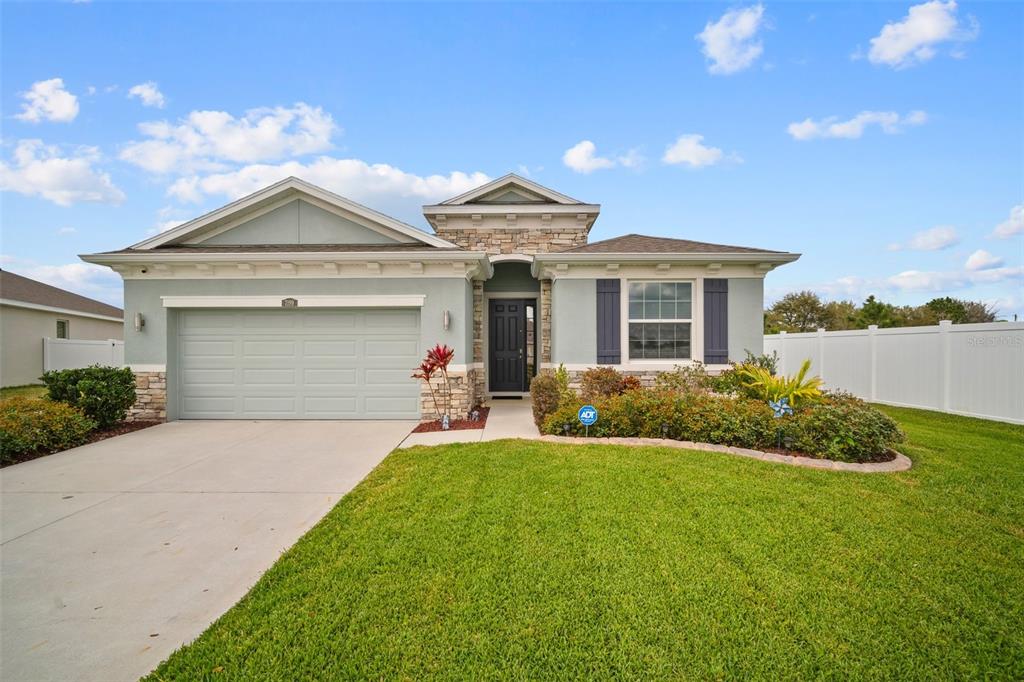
[[299, 222], [574, 321], [151, 345], [512, 277], [746, 315]]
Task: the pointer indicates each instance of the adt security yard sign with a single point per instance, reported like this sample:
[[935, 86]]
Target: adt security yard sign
[[587, 416]]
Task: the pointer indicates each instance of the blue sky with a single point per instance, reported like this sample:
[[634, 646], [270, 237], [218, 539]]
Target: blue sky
[[884, 141]]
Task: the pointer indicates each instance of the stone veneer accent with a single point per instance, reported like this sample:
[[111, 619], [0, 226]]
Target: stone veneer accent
[[545, 321], [515, 240], [478, 321], [466, 394], [646, 376], [150, 397]]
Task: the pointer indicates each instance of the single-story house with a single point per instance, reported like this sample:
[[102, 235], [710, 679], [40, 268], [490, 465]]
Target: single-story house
[[31, 311], [296, 303]]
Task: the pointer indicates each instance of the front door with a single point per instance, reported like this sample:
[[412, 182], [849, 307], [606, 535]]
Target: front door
[[507, 344]]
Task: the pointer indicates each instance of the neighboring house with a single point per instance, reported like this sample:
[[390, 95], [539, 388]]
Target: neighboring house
[[294, 302], [31, 311]]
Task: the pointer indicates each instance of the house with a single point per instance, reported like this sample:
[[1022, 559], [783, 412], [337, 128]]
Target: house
[[31, 311], [296, 303]]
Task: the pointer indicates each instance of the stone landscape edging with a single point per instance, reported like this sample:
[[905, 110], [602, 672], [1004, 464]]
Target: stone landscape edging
[[900, 463]]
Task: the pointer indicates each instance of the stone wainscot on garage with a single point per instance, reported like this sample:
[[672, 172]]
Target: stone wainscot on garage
[[296, 303]]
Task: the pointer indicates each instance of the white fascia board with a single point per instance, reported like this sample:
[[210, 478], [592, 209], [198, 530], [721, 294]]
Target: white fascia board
[[368, 301], [627, 258], [59, 311], [503, 209], [290, 185], [510, 179], [303, 256]]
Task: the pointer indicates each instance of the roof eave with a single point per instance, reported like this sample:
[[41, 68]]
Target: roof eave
[[644, 258]]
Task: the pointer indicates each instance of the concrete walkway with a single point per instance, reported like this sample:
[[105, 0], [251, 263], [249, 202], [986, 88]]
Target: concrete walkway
[[508, 418], [115, 554]]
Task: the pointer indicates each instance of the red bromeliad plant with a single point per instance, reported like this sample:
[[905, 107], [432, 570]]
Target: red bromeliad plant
[[437, 360]]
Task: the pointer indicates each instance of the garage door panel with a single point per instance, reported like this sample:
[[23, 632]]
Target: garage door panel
[[298, 364]]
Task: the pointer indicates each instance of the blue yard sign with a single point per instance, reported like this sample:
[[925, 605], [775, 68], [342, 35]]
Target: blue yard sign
[[587, 415]]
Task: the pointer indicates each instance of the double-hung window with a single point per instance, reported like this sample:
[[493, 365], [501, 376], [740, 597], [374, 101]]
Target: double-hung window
[[660, 319], [63, 329]]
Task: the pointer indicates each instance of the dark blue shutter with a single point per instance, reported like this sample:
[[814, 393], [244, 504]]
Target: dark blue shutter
[[609, 339], [716, 321]]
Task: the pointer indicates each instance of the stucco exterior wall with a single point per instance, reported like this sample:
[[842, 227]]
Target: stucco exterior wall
[[21, 339], [746, 317], [151, 345], [574, 321]]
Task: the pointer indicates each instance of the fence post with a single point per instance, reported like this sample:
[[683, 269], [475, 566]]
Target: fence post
[[782, 353], [821, 354], [873, 345], [947, 361]]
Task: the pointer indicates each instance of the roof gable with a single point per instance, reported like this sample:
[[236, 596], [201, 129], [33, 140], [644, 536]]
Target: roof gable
[[295, 210], [511, 189]]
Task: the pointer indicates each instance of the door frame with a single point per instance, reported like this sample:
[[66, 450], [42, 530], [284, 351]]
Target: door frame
[[526, 296]]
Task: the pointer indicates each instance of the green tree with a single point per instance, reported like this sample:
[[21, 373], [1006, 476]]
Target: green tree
[[799, 311], [877, 312], [841, 315], [947, 308]]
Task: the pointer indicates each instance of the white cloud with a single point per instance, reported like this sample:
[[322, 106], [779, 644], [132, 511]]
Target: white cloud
[[689, 150], [48, 101], [914, 39], [384, 187], [41, 170], [148, 93], [1014, 225], [917, 280], [730, 43], [934, 239], [982, 260], [209, 140], [889, 121], [582, 158], [66, 230]]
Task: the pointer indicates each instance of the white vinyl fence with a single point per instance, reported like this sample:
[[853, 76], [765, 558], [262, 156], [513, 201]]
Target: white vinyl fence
[[75, 353], [971, 369]]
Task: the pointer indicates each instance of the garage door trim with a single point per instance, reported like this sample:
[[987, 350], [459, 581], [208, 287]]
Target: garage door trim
[[302, 301]]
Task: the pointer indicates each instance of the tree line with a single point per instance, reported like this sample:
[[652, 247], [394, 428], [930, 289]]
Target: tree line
[[804, 311]]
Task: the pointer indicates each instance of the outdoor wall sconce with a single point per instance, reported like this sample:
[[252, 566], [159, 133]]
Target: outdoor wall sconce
[[140, 322], [446, 320]]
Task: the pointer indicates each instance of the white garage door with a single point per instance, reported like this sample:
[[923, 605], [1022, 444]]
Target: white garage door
[[298, 364]]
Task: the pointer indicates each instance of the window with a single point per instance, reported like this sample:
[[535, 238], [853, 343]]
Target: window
[[62, 329], [659, 320]]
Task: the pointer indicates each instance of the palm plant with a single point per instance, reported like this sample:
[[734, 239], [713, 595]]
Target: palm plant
[[761, 383]]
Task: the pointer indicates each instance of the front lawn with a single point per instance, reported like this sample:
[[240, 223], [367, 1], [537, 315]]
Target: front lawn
[[527, 560], [27, 391]]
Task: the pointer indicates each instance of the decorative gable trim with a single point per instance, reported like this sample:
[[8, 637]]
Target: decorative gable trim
[[511, 181], [278, 194]]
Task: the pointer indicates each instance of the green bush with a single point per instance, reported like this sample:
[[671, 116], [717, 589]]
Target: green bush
[[600, 382], [837, 427], [37, 425], [684, 379], [545, 392], [562, 377], [103, 393]]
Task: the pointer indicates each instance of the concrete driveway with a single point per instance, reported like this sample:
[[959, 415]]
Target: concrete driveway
[[115, 554]]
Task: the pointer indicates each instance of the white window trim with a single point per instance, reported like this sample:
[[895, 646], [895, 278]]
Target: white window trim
[[67, 328], [369, 301], [626, 319]]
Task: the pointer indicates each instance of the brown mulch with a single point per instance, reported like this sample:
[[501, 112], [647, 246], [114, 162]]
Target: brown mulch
[[94, 437], [455, 424]]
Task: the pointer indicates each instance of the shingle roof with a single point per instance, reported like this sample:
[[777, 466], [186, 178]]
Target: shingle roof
[[289, 248], [639, 243], [17, 288]]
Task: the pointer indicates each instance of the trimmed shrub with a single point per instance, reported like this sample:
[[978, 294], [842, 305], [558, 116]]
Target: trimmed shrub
[[37, 425], [562, 377], [684, 379], [600, 382], [631, 383], [104, 394], [545, 391], [837, 428], [844, 428]]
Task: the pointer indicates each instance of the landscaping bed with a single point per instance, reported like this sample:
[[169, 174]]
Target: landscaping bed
[[530, 560], [94, 437], [456, 424]]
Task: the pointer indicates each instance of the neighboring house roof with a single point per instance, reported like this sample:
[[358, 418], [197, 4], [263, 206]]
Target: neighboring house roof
[[15, 290], [639, 243], [284, 190]]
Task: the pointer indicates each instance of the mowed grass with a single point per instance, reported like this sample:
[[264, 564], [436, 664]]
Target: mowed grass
[[525, 560], [28, 391]]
